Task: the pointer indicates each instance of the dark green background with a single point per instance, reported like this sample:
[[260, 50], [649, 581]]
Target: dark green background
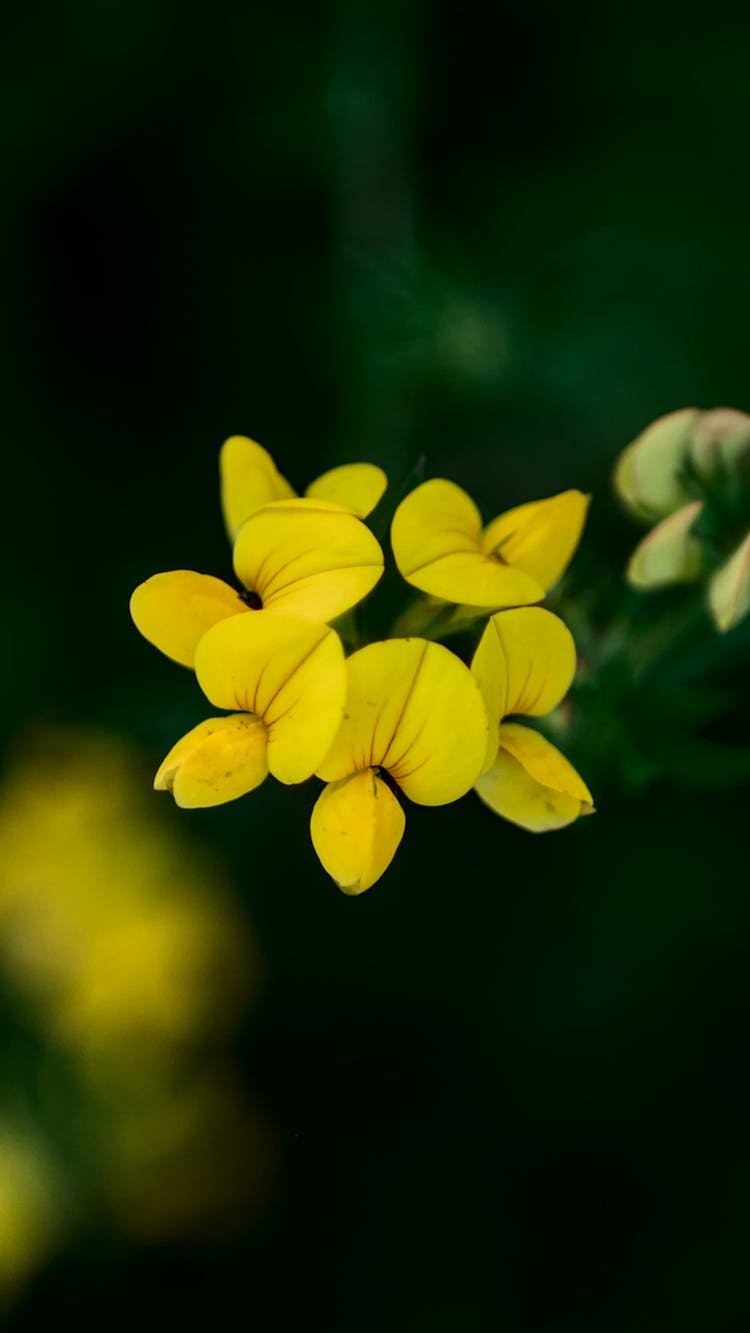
[[510, 1081]]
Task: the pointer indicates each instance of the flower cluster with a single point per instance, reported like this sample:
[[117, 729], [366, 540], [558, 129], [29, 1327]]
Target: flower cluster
[[400, 716], [688, 476]]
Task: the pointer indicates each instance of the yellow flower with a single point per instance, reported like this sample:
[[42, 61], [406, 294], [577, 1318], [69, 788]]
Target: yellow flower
[[303, 558], [441, 548], [250, 480], [414, 713], [524, 664], [285, 681]]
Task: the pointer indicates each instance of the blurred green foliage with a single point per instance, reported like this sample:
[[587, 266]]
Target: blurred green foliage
[[504, 240]]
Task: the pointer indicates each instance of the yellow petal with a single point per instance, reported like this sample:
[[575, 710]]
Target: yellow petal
[[355, 486], [436, 537], [307, 558], [647, 476], [287, 671], [532, 784], [472, 579], [356, 827], [729, 589], [174, 610], [543, 761], [513, 793], [433, 515], [216, 762], [670, 553], [249, 479], [412, 708], [525, 663], [541, 537]]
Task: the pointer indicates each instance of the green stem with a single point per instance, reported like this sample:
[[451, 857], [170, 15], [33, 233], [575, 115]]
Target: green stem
[[425, 618]]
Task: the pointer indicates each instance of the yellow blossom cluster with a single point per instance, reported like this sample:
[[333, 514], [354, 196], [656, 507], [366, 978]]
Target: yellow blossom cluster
[[400, 716]]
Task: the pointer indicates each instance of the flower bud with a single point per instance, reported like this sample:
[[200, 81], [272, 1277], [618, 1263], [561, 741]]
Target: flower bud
[[671, 553], [729, 589], [648, 473], [720, 444]]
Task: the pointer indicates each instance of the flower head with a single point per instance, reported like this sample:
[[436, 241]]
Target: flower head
[[524, 665], [250, 479], [441, 547], [284, 681], [413, 713], [402, 715], [304, 558]]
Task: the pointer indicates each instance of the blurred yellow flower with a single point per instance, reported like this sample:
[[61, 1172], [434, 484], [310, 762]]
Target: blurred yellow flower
[[441, 547], [288, 679], [29, 1208], [414, 713], [250, 480], [306, 558], [524, 664], [110, 927], [124, 952]]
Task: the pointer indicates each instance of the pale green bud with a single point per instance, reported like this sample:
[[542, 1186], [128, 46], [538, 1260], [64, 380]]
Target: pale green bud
[[648, 472], [671, 553], [729, 589], [720, 443]]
